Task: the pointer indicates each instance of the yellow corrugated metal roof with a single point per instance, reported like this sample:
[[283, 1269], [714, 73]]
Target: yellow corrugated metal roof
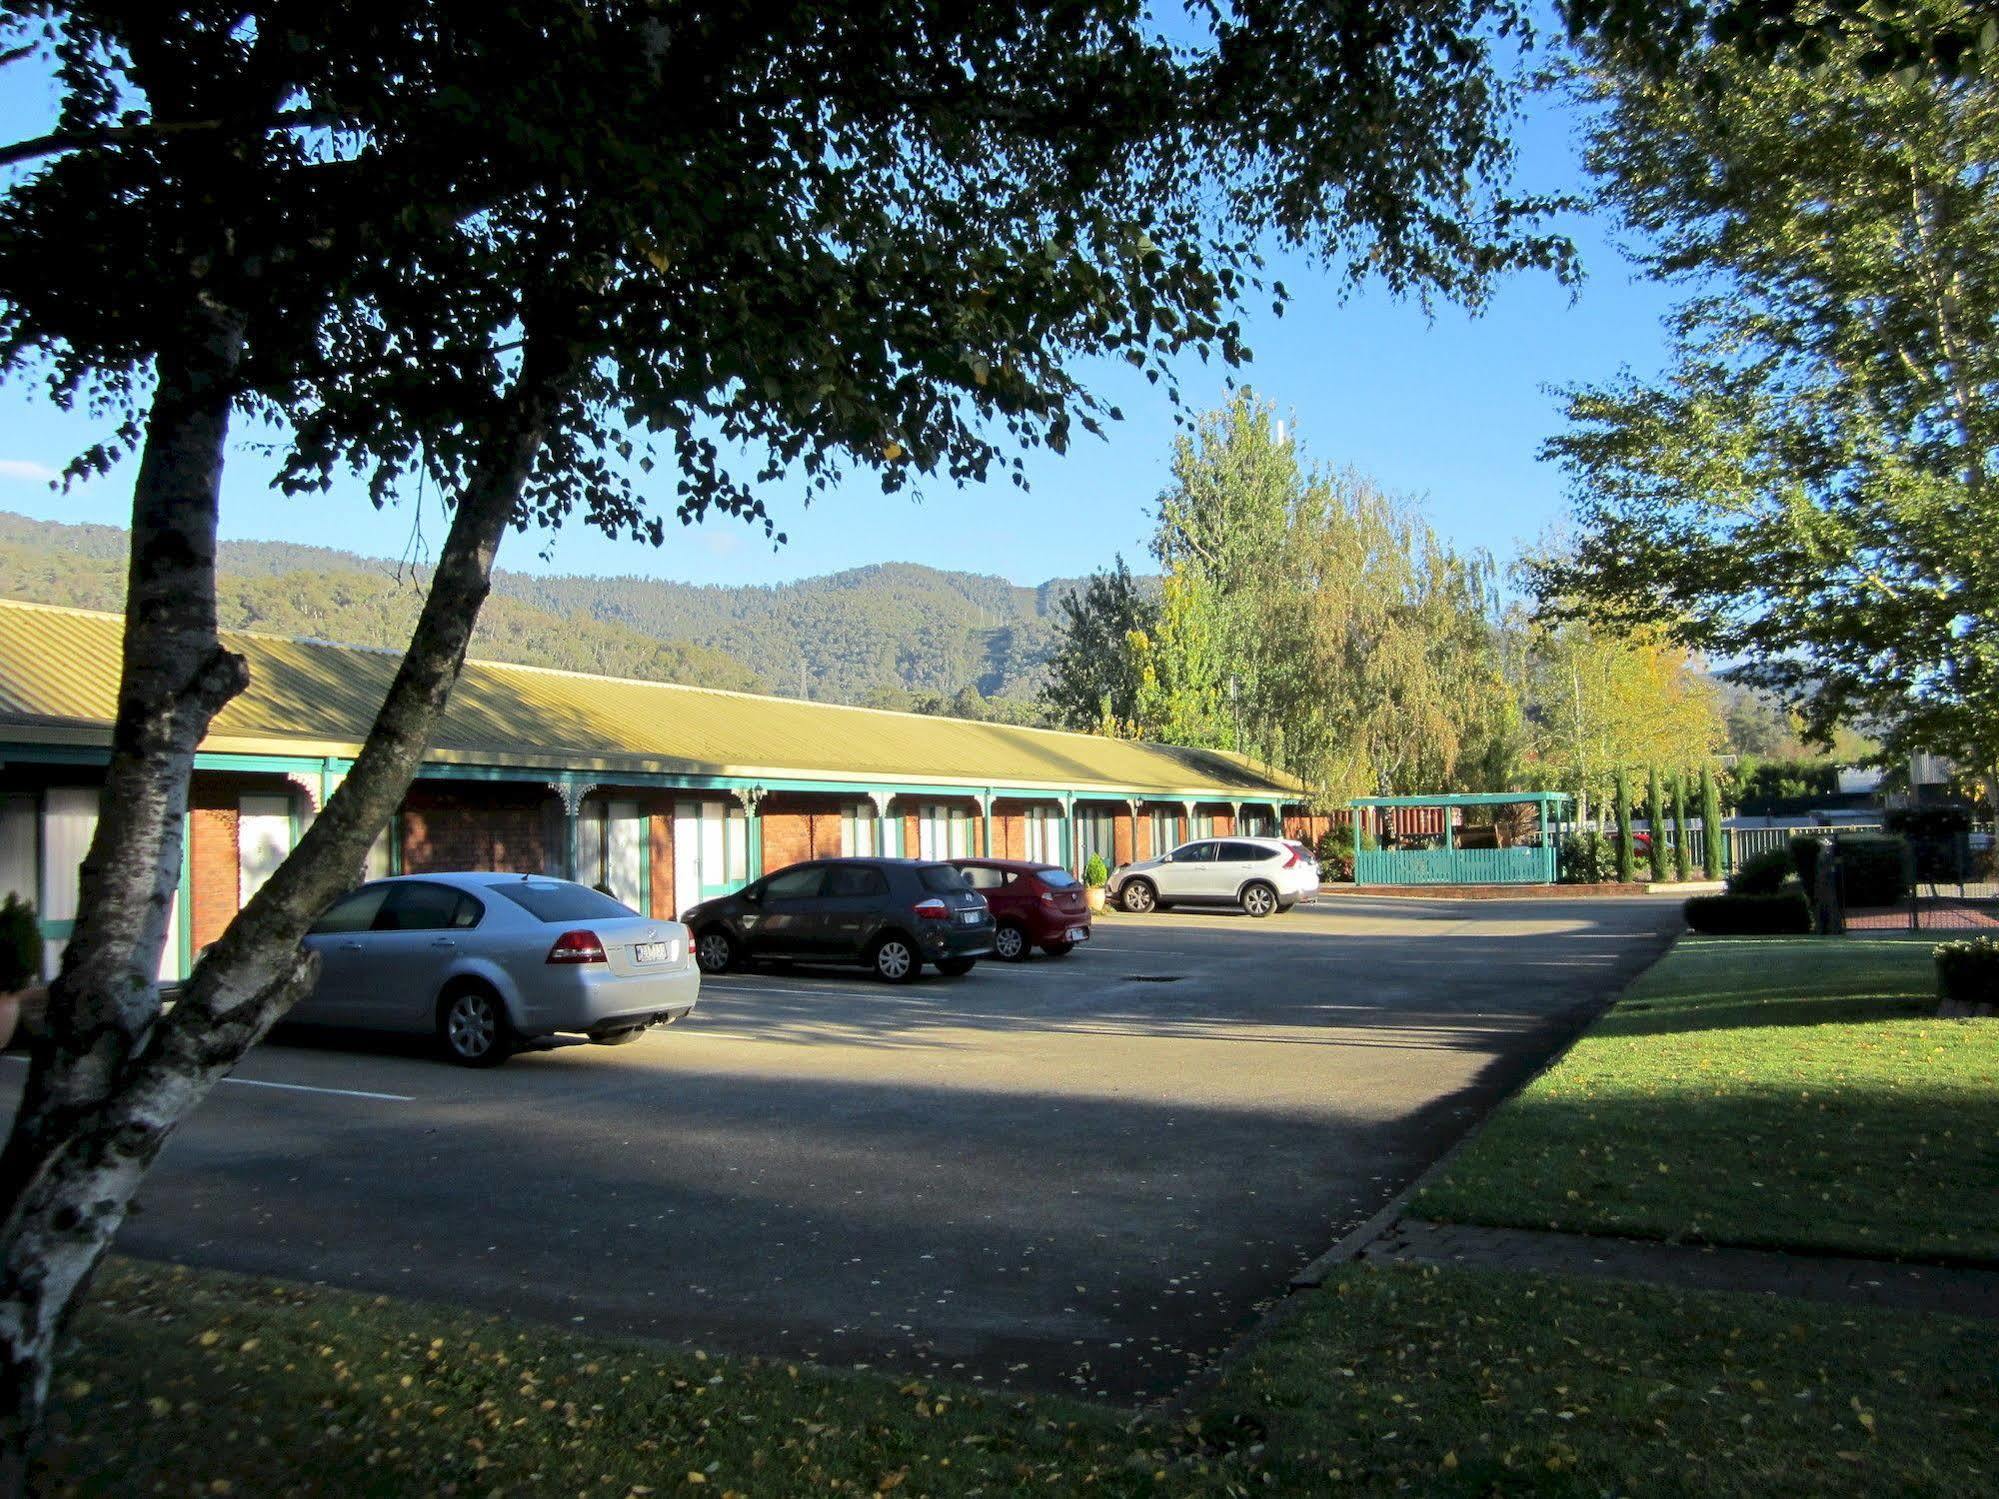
[[59, 676]]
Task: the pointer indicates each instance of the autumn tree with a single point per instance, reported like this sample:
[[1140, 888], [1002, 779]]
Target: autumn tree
[[1600, 702], [572, 263]]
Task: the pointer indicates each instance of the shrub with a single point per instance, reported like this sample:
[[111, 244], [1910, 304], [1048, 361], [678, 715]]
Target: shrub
[[1762, 874], [1336, 853], [1587, 858], [1096, 872], [1873, 871], [20, 945], [1783, 914], [1968, 971]]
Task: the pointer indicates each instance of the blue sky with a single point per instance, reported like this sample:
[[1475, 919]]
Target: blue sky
[[1450, 409]]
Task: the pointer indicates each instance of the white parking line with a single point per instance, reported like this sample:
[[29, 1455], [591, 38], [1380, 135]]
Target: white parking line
[[251, 1082]]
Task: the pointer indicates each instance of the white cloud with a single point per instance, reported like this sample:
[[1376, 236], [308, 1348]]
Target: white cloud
[[23, 471]]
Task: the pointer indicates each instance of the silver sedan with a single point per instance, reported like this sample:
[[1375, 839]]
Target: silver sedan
[[487, 962]]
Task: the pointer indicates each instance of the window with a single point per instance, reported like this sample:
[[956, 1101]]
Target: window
[[1096, 833], [983, 877], [856, 882], [558, 900], [611, 849], [1202, 825], [419, 906], [17, 848], [710, 850], [1044, 837], [858, 829], [941, 879], [69, 822], [263, 839], [1057, 879], [1195, 853], [1256, 822], [1165, 832], [801, 883], [942, 832], [352, 913]]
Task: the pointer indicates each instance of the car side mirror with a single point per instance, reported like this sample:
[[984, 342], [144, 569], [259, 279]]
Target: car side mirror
[[753, 895]]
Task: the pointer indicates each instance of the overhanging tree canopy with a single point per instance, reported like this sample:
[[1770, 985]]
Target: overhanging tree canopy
[[527, 252]]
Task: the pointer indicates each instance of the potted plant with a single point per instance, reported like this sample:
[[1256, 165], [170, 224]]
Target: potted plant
[[1096, 875], [20, 962]]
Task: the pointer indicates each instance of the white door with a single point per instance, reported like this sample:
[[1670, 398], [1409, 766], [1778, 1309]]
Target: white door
[[625, 853], [263, 839], [69, 822]]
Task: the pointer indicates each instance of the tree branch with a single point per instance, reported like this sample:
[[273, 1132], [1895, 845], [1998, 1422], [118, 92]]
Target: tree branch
[[61, 142]]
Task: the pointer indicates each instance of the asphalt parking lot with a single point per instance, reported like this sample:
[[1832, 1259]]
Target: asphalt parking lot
[[1084, 1174]]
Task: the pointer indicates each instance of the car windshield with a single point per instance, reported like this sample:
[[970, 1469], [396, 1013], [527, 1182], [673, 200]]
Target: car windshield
[[1057, 879], [558, 900], [941, 879]]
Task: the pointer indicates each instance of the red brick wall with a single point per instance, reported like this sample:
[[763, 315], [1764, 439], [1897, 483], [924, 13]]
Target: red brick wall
[[214, 869], [1009, 835], [660, 877], [214, 861], [787, 838], [1123, 838], [1224, 824], [503, 828]]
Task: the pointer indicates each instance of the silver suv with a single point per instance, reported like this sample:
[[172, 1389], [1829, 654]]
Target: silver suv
[[1260, 875]]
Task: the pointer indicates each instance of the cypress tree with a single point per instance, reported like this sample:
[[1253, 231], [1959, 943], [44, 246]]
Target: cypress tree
[[1626, 858], [1683, 862], [1714, 855], [1655, 820]]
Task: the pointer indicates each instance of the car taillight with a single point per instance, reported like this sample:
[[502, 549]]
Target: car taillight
[[577, 947], [932, 910], [1292, 862]]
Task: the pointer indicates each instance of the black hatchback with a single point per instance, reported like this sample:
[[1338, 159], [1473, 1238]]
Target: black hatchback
[[894, 915]]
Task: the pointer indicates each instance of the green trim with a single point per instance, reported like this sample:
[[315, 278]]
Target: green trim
[[58, 931], [185, 943]]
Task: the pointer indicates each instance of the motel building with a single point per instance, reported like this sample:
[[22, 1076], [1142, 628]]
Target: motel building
[[665, 795]]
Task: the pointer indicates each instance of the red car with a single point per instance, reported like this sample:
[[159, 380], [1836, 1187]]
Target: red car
[[1034, 905]]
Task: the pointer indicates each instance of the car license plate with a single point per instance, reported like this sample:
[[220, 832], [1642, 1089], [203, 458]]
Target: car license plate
[[652, 952], [970, 918], [1079, 934]]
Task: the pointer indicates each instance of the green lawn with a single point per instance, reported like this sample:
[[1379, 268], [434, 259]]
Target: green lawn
[[1428, 1381], [1789, 1092], [199, 1383], [1399, 1380]]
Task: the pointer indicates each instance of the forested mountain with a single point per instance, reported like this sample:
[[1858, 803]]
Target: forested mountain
[[889, 633]]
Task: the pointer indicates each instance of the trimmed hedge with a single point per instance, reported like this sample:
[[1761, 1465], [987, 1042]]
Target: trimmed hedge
[[1763, 874], [1968, 972], [1873, 870], [1783, 914]]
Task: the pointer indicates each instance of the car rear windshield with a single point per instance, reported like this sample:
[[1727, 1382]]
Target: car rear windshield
[[941, 879], [1056, 879], [552, 900]]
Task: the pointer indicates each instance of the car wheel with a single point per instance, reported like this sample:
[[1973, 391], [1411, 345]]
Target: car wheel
[[715, 951], [472, 1024], [624, 1037], [955, 968], [1259, 900], [1010, 943], [1058, 949], [1138, 897], [894, 959]]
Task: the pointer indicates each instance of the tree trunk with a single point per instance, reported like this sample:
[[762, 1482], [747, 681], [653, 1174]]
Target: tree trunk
[[80, 1151]]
